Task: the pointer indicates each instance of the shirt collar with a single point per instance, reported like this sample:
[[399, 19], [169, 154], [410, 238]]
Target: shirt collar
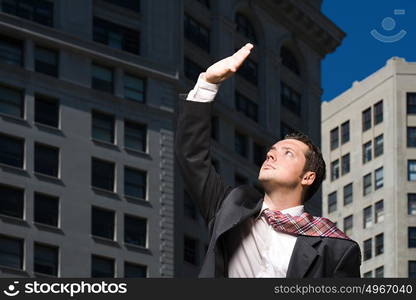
[[293, 211]]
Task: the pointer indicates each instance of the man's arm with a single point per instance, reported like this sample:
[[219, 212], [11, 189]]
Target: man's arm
[[349, 264], [193, 136]]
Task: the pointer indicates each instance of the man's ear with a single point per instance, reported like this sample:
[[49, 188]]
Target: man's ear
[[308, 178]]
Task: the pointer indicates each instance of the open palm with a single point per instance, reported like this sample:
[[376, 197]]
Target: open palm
[[223, 69]]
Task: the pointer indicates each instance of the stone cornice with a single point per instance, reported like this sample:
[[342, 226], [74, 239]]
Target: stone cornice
[[307, 24]]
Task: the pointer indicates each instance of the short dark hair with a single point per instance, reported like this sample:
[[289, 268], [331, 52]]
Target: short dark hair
[[314, 162]]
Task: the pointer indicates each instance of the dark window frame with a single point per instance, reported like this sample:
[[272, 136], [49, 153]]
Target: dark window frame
[[94, 173], [43, 161], [130, 39], [37, 265]]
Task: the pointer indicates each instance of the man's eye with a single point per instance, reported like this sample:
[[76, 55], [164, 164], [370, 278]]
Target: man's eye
[[287, 151]]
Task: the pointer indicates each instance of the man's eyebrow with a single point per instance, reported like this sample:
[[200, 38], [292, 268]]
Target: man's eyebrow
[[284, 147]]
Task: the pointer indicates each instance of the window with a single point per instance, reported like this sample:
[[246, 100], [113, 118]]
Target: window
[[368, 253], [135, 229], [411, 137], [192, 69], [345, 132], [366, 115], [379, 272], [189, 207], [216, 165], [11, 51], [245, 28], [102, 223], [134, 271], [11, 252], [412, 268], [411, 103], [46, 209], [348, 223], [411, 170], [378, 112], [379, 244], [190, 250], [46, 259], [215, 128], [378, 145], [134, 88], [290, 99], [248, 70], [102, 127], [335, 170], [39, 11], [116, 36], [240, 180], [135, 183], [334, 136], [368, 274], [129, 4], [378, 178], [11, 203], [135, 136], [46, 111], [367, 152], [367, 217], [102, 174], [332, 202], [412, 237], [102, 267], [367, 184], [345, 162], [289, 60], [11, 151], [248, 107], [46, 61], [204, 2], [348, 193], [102, 78], [285, 129], [241, 144], [197, 33], [11, 102], [411, 204], [379, 211], [259, 154], [46, 160]]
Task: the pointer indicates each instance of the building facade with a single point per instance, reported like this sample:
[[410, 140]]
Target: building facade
[[88, 90], [368, 140]]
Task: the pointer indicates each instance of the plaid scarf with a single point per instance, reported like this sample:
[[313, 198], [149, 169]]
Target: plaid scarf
[[304, 224]]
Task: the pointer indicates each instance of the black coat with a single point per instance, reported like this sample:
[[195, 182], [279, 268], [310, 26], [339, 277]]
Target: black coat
[[224, 207]]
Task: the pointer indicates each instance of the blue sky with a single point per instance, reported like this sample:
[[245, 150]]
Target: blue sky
[[360, 54]]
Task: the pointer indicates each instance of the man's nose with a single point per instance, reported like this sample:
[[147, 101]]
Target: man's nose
[[271, 156]]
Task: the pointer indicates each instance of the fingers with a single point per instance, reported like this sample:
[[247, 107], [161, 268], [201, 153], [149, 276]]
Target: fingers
[[239, 56]]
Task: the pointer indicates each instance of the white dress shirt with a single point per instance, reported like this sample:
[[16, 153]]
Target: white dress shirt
[[257, 249]]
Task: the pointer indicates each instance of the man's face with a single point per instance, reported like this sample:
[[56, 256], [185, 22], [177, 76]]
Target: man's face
[[284, 164]]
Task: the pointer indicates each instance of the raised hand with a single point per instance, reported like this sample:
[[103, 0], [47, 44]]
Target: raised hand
[[225, 68]]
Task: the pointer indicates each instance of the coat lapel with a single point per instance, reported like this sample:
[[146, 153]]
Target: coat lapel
[[244, 202], [303, 255]]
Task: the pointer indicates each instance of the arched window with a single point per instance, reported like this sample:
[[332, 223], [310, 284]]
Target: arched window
[[289, 60], [245, 28]]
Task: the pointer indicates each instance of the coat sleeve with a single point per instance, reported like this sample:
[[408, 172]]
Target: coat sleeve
[[193, 154], [349, 264]]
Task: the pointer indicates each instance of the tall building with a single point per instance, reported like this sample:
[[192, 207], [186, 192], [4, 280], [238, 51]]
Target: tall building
[[88, 90], [369, 142]]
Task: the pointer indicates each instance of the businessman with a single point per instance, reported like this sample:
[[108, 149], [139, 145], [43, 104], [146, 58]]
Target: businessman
[[253, 234]]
